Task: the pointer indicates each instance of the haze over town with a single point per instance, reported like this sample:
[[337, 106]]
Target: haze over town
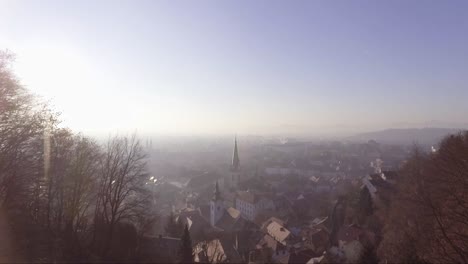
[[203, 131]]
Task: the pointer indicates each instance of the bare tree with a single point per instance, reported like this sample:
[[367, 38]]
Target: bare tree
[[53, 182], [23, 121], [79, 192], [122, 179], [428, 221]]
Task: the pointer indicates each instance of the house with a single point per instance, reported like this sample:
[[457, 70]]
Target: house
[[269, 221], [277, 239], [276, 250], [278, 232]]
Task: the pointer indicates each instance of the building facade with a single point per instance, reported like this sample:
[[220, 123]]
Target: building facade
[[251, 204], [216, 206]]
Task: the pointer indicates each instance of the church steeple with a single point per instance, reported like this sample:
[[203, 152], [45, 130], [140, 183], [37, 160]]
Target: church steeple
[[216, 206], [235, 166], [217, 193]]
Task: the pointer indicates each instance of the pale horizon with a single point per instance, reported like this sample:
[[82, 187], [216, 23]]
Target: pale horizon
[[264, 67]]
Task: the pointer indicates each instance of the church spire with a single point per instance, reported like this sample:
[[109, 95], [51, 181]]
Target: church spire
[[235, 166], [217, 193]]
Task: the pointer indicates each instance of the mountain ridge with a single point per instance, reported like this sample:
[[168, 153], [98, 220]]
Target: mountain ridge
[[426, 135]]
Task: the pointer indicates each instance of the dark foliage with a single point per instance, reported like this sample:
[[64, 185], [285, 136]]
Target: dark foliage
[[174, 228]]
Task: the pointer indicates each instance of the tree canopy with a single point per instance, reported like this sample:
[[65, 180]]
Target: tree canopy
[[428, 220]]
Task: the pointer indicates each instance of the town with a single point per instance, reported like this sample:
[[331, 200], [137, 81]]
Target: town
[[287, 204], [250, 132]]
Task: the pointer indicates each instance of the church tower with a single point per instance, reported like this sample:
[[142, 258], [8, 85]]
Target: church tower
[[235, 167], [216, 206]]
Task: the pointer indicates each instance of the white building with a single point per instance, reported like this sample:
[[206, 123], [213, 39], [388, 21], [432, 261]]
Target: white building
[[251, 204], [216, 207]]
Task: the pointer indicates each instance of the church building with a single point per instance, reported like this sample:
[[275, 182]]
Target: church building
[[220, 214]]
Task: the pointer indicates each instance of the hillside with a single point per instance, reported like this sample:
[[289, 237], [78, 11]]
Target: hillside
[[425, 136]]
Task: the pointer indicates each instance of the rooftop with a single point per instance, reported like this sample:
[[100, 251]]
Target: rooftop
[[278, 232]]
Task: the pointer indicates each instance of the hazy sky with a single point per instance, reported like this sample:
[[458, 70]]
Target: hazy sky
[[243, 66]]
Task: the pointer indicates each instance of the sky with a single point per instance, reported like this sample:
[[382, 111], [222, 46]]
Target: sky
[[245, 67]]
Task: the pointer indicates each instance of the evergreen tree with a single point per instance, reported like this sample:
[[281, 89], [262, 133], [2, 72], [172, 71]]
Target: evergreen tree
[[337, 218], [186, 251], [170, 225], [179, 228], [365, 205]]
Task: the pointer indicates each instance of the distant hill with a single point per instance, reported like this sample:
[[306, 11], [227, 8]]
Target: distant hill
[[429, 136]]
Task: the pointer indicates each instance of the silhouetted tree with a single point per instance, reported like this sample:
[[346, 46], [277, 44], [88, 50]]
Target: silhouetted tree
[[337, 219], [365, 206], [78, 194], [121, 185]]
